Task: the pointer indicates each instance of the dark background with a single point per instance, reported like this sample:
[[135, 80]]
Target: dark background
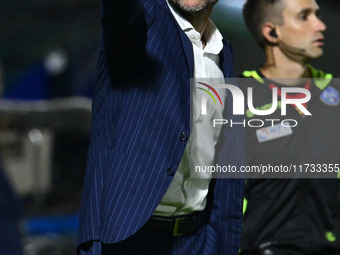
[[30, 29]]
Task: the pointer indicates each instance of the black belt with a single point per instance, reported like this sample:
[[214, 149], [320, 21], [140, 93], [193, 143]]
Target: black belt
[[178, 226]]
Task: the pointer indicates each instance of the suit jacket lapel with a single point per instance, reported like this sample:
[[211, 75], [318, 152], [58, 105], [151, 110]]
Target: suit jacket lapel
[[186, 43], [188, 51], [226, 60]]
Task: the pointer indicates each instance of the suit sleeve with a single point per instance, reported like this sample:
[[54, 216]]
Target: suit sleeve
[[121, 13], [125, 25]]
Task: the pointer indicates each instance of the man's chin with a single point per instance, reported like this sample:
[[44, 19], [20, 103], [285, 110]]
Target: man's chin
[[194, 7]]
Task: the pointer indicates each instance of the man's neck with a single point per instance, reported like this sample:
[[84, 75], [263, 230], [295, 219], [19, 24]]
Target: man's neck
[[278, 65], [198, 20]]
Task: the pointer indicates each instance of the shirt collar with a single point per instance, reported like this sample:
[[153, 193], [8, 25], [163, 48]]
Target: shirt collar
[[214, 44]]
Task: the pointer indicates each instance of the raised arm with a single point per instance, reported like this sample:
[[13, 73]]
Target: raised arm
[[123, 12], [124, 38]]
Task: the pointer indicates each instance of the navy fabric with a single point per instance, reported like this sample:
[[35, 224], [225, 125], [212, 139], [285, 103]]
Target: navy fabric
[[10, 239], [140, 107]]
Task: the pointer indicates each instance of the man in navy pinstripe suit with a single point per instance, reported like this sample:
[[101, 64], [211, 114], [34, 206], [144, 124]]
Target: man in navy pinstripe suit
[[139, 197]]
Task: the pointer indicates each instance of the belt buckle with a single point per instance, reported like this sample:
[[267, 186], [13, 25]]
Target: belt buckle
[[176, 232]]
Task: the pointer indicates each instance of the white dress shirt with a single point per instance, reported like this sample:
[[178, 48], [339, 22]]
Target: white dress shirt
[[188, 191]]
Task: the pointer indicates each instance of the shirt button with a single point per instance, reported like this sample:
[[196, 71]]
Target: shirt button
[[171, 171], [184, 137], [193, 36]]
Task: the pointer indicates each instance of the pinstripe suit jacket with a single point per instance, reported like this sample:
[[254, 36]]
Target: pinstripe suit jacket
[[140, 108]]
